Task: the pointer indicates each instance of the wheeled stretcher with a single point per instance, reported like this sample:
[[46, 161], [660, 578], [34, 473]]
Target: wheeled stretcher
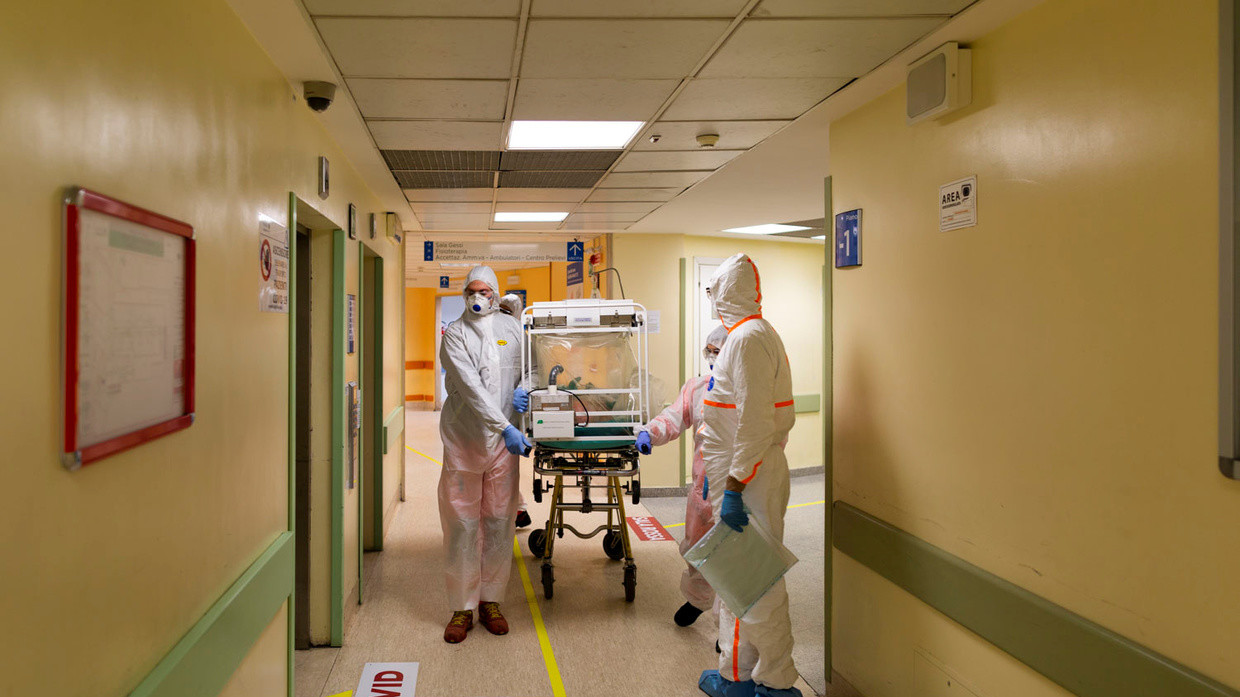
[[585, 367]]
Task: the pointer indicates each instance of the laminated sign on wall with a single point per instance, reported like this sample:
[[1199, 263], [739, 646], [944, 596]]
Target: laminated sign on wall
[[272, 266], [958, 204]]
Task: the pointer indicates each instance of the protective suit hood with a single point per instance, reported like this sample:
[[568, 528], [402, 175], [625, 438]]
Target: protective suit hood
[[487, 276], [736, 290]]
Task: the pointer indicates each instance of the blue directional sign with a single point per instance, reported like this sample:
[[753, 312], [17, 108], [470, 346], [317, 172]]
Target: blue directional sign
[[428, 251], [848, 239], [576, 251], [443, 280], [575, 273]]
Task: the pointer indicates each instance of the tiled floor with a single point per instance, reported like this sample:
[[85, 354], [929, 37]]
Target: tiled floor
[[601, 645]]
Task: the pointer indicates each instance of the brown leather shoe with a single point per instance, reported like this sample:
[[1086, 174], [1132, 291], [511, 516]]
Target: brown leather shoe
[[490, 617], [460, 624]]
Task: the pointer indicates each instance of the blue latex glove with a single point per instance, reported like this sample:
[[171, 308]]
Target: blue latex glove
[[520, 400], [516, 442], [705, 489], [643, 443], [733, 512]]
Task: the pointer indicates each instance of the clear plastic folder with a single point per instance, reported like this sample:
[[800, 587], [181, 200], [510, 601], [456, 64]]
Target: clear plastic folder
[[740, 566]]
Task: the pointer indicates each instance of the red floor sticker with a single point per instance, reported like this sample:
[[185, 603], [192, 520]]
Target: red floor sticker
[[647, 529]]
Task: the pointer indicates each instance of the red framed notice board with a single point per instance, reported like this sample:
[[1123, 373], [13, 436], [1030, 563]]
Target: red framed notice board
[[128, 327]]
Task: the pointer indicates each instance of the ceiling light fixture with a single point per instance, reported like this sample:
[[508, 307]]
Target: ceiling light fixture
[[766, 229], [572, 135], [819, 237], [530, 217]]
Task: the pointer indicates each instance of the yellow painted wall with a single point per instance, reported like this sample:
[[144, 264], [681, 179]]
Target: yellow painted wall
[[173, 107], [791, 299], [262, 672], [1038, 394]]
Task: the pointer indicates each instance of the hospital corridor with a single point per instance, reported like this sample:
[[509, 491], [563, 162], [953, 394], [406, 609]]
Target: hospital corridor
[[620, 348]]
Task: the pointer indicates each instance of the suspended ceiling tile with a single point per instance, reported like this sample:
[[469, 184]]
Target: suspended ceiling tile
[[750, 98], [436, 135], [535, 207], [601, 226], [469, 195], [556, 195], [449, 208], [635, 194], [651, 179], [733, 135], [617, 48], [557, 160], [421, 48], [442, 180], [655, 161], [549, 180], [637, 8], [444, 221], [589, 99], [814, 47], [605, 217], [416, 8], [443, 160], [430, 99], [618, 209], [855, 8]]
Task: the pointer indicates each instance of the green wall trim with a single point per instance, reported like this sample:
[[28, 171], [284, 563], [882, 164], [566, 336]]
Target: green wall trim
[[204, 660], [1086, 658], [379, 446], [806, 403], [340, 415], [292, 422], [395, 416]]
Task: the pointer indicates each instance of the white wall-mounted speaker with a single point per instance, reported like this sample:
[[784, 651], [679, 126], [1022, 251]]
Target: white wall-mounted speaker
[[939, 83]]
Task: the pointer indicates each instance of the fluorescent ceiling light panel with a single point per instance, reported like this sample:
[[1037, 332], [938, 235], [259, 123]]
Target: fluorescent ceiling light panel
[[767, 229], [819, 237], [530, 217], [572, 135]]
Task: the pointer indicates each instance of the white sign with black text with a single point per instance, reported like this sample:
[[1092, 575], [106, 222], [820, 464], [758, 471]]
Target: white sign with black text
[[958, 204], [387, 680], [272, 266]]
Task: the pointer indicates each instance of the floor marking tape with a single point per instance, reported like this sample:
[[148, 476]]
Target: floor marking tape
[[795, 505], [346, 693], [553, 670], [428, 457]]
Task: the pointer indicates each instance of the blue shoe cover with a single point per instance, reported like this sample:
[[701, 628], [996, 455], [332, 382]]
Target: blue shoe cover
[[765, 691], [715, 685]]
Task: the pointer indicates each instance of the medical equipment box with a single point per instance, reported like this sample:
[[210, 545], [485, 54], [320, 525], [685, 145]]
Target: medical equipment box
[[553, 424]]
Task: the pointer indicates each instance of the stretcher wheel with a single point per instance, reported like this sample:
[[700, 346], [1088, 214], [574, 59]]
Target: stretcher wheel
[[538, 542], [548, 578], [613, 545], [630, 583], [538, 491], [637, 492]]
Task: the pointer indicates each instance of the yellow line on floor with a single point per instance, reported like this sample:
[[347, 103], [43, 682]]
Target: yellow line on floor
[[346, 693], [795, 505], [428, 457], [553, 669]]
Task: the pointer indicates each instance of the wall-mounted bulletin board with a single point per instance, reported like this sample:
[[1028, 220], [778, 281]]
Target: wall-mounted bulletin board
[[127, 327]]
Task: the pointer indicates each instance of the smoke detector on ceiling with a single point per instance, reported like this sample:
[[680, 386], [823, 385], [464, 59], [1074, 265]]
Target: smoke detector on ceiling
[[707, 140]]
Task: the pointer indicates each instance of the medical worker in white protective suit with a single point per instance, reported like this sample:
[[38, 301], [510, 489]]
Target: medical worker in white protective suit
[[747, 414], [685, 414], [481, 355]]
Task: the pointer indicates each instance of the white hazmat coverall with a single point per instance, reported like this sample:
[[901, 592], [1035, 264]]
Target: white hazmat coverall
[[746, 418], [481, 355]]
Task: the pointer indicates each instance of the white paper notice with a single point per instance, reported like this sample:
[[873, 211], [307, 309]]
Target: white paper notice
[[272, 266], [958, 204], [387, 680], [652, 321]]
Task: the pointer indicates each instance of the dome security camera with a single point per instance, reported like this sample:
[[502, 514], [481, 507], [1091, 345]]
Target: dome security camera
[[319, 95]]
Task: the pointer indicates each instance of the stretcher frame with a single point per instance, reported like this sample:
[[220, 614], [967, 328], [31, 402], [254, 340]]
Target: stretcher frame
[[583, 458]]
